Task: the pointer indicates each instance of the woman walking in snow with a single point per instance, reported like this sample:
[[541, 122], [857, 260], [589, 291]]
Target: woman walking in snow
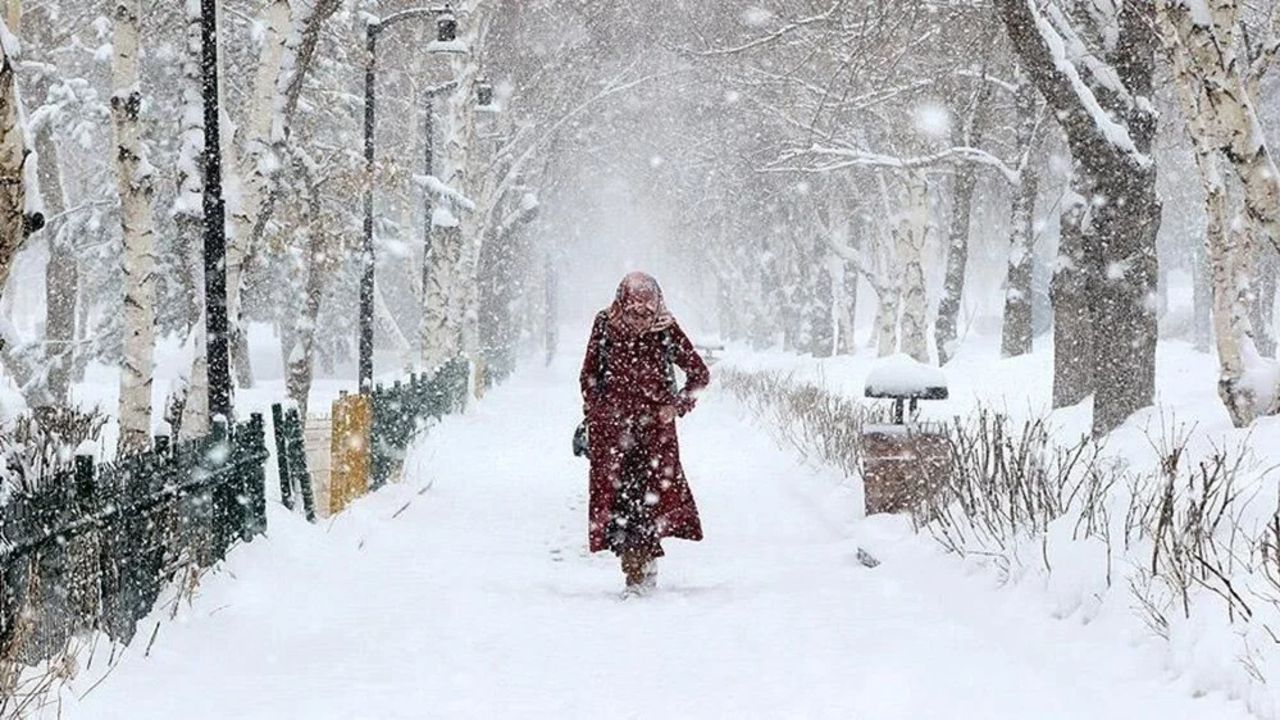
[[639, 493]]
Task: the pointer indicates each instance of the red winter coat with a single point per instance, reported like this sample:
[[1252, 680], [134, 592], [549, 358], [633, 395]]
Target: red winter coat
[[635, 387]]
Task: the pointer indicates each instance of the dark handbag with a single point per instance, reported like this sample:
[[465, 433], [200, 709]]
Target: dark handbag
[[580, 445]]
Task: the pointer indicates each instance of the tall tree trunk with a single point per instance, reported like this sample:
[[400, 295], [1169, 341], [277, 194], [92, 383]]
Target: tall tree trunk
[[13, 157], [62, 274], [255, 170], [915, 299], [963, 184], [1072, 314], [188, 215], [1222, 123], [887, 274], [301, 361], [1231, 254], [1016, 337], [1119, 168], [946, 329], [135, 187]]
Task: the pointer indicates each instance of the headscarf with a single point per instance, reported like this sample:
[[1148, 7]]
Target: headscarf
[[638, 307]]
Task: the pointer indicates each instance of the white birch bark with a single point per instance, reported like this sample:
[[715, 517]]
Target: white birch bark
[[134, 176], [887, 283], [450, 323], [252, 174], [914, 231], [13, 157], [1213, 87], [195, 412], [189, 215], [460, 149]]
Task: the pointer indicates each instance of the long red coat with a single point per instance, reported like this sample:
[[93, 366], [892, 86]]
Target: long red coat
[[626, 410]]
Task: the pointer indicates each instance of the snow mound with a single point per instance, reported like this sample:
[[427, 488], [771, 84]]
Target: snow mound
[[901, 376]]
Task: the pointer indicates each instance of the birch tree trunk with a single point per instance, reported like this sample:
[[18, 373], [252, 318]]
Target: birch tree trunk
[[915, 298], [1230, 255], [301, 361], [62, 271], [62, 274], [257, 166], [1213, 91], [13, 157], [134, 176], [451, 252], [188, 214]]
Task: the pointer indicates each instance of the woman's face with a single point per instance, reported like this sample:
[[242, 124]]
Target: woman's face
[[639, 314]]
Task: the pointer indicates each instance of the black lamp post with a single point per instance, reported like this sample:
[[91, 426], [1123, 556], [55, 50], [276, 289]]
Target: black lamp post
[[215, 238], [446, 41]]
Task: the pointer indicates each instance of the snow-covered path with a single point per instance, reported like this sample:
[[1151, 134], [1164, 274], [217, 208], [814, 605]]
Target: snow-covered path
[[466, 592]]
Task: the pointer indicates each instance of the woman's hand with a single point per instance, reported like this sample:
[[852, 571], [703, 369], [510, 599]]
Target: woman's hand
[[667, 413]]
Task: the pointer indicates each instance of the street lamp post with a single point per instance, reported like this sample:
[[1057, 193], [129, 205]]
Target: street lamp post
[[215, 239], [446, 41]]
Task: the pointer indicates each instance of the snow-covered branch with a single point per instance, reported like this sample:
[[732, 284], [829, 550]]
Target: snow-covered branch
[[844, 158], [776, 35]]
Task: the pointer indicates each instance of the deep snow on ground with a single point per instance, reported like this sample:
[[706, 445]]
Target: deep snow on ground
[[466, 592]]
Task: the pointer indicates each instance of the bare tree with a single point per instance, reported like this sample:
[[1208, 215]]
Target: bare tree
[[1101, 93]]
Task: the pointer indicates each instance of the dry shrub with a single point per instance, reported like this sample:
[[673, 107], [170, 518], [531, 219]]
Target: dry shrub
[[37, 445], [818, 424], [1011, 480]]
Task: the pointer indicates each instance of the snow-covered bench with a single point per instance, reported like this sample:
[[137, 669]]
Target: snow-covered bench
[[903, 379], [904, 461]]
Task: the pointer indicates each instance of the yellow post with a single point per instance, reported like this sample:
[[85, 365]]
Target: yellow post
[[351, 450]]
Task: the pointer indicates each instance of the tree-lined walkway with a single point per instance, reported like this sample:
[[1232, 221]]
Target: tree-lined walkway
[[465, 592]]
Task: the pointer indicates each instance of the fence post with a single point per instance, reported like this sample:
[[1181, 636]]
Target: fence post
[[253, 472], [381, 405], [216, 456], [296, 454], [282, 456]]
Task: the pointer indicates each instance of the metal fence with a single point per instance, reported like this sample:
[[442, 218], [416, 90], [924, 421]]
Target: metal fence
[[91, 547], [403, 409]]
